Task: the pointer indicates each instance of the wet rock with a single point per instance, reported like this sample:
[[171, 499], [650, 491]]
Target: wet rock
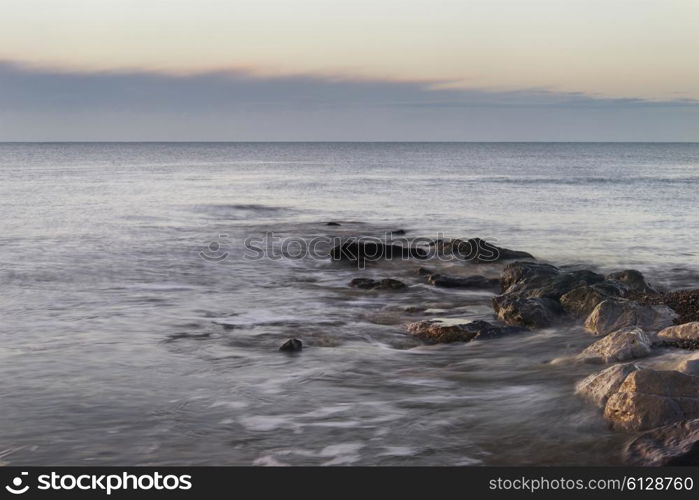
[[291, 345], [477, 250], [687, 331], [529, 279], [649, 398], [446, 330], [531, 312], [633, 280], [398, 232], [331, 223], [621, 345], [472, 282], [360, 252], [689, 364], [581, 301], [614, 314], [599, 386], [517, 275], [371, 284], [675, 444]]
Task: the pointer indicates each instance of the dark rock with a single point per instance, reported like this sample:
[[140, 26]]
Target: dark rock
[[360, 252], [291, 345], [398, 232], [446, 330], [529, 273], [532, 312], [426, 271], [684, 302], [477, 250], [472, 282], [370, 284], [633, 280], [674, 444], [333, 224], [581, 301]]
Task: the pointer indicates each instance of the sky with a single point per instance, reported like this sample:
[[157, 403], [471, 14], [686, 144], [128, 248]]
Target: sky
[[480, 70]]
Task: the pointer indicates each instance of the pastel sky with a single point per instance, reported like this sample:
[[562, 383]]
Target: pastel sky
[[349, 70]]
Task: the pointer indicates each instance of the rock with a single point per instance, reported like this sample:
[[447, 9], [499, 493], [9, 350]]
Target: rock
[[599, 386], [370, 284], [333, 224], [362, 251], [477, 250], [446, 330], [674, 444], [476, 281], [689, 365], [291, 345], [398, 232], [649, 398], [614, 314], [581, 301], [529, 312], [687, 331], [621, 345], [633, 280], [632, 411], [526, 272]]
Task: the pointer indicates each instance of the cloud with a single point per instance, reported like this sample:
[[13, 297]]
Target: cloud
[[38, 103]]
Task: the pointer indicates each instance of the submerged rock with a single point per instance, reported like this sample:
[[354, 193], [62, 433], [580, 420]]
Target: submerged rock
[[472, 282], [581, 301], [621, 345], [371, 284], [531, 312], [361, 251], [674, 444], [331, 223], [446, 330], [477, 250], [633, 280], [599, 386], [614, 314], [291, 345], [649, 398]]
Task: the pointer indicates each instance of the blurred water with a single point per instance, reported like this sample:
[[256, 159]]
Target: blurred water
[[120, 345]]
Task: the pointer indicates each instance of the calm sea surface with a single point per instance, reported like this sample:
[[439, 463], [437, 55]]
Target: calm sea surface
[[120, 344]]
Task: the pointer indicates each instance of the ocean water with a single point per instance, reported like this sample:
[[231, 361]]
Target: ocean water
[[135, 328]]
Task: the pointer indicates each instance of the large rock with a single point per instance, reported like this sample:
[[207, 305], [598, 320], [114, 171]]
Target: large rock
[[371, 284], [530, 273], [446, 330], [633, 280], [477, 250], [530, 312], [621, 345], [674, 444], [649, 398], [581, 301], [530, 279], [358, 251], [599, 386], [685, 335], [689, 364], [614, 314]]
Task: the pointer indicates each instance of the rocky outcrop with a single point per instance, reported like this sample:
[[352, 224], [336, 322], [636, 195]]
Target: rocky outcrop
[[622, 345], [614, 314], [675, 444], [477, 250], [599, 386], [633, 280], [531, 312], [685, 336], [360, 252], [446, 330], [581, 301], [371, 284], [467, 282], [649, 398]]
